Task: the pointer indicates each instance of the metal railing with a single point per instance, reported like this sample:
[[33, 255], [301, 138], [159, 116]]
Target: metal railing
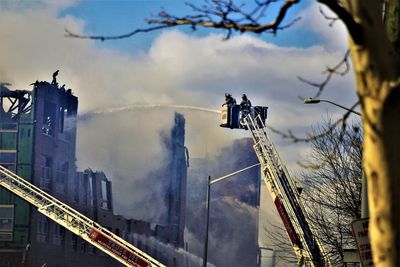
[[68, 217], [282, 186]]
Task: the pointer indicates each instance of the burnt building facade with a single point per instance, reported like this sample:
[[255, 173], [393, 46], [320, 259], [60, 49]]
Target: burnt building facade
[[38, 142], [38, 136], [175, 180], [54, 167]]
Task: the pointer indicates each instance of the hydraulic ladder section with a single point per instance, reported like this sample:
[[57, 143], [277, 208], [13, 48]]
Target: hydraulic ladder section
[[77, 223], [286, 197]]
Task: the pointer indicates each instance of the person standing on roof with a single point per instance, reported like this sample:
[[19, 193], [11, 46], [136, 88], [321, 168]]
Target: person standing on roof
[[229, 100]]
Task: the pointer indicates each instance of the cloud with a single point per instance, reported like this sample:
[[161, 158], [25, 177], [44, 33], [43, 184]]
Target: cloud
[[177, 69], [334, 36], [51, 6]]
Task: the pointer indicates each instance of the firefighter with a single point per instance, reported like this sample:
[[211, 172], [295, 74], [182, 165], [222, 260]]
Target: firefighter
[[229, 100], [245, 106]]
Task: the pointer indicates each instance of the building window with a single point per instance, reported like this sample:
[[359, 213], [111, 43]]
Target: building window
[[76, 188], [5, 264], [6, 222], [45, 172], [62, 112], [85, 189], [91, 249], [65, 123], [8, 159], [74, 242], [7, 119], [58, 235], [49, 118], [8, 139], [42, 229], [105, 201], [83, 246], [90, 193], [61, 177], [88, 190]]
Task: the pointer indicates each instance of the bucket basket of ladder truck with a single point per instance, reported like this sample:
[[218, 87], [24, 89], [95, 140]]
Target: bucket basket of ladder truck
[[281, 186], [233, 116]]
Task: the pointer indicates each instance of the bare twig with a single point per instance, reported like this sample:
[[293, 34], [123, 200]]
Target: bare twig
[[332, 19], [221, 14], [337, 69], [332, 189], [225, 15], [355, 29], [68, 33], [312, 136]]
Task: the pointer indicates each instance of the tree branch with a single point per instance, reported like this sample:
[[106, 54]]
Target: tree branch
[[68, 33], [355, 30], [311, 136], [219, 14], [330, 71], [222, 10], [332, 19]]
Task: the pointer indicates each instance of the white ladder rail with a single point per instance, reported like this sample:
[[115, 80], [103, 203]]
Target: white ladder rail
[[271, 161], [275, 187], [296, 195], [68, 217]]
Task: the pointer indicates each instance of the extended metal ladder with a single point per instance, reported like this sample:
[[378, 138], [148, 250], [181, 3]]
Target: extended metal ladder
[[77, 223], [286, 197]]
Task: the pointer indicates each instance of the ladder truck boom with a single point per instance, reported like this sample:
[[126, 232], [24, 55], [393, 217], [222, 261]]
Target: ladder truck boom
[[281, 186], [77, 223]]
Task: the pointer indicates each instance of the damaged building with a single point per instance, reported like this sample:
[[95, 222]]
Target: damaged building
[[175, 180], [38, 136], [38, 142]]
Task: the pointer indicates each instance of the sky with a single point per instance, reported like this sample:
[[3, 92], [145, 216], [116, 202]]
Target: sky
[[169, 67]]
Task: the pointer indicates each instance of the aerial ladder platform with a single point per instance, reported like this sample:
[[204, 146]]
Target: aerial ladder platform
[[283, 189], [77, 223]]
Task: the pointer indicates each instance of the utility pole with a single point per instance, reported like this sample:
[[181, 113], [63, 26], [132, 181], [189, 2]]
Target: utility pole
[[219, 179], [207, 222]]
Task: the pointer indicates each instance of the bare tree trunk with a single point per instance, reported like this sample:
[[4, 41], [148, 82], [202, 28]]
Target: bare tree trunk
[[376, 66]]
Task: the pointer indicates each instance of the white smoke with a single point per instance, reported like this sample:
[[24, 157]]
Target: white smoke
[[146, 106], [127, 147], [182, 257]]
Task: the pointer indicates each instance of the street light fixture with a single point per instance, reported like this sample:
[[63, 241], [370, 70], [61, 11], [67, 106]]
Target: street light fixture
[[364, 184], [211, 182], [316, 101]]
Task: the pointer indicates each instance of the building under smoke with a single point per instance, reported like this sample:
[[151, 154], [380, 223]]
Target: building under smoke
[[175, 180], [38, 134], [37, 141]]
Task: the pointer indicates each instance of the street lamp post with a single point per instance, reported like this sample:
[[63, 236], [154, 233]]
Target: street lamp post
[[207, 222], [364, 184], [211, 182], [316, 101]]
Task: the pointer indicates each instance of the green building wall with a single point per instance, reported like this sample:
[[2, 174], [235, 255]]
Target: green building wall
[[20, 141]]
